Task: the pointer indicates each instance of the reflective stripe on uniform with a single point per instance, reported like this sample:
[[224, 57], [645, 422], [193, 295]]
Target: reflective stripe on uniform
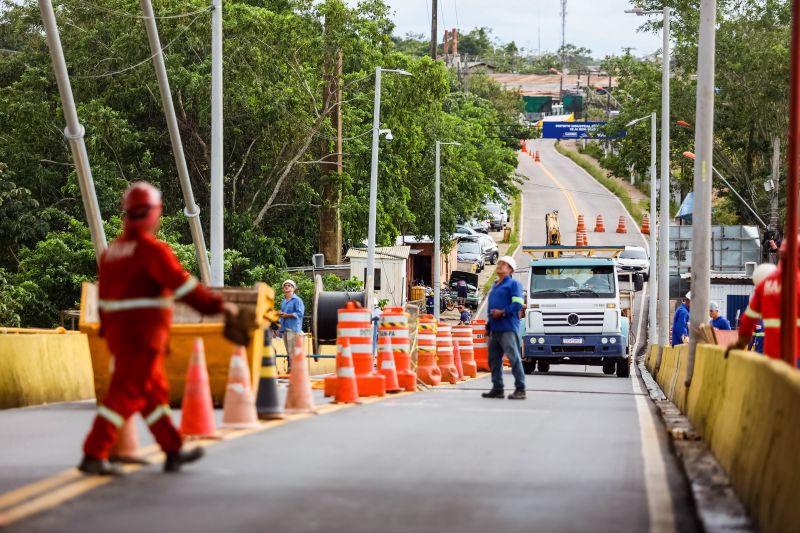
[[752, 314], [112, 416], [157, 413], [772, 322], [188, 286], [517, 300], [134, 303]]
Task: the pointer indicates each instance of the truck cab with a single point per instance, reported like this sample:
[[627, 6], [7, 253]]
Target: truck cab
[[573, 313]]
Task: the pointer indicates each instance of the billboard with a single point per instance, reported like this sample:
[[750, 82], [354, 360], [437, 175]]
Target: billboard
[[575, 130]]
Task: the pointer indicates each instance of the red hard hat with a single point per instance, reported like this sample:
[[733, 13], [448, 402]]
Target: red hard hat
[[142, 206]]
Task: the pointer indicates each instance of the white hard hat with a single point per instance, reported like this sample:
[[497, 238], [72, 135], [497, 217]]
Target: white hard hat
[[507, 259], [289, 282], [762, 271], [689, 295], [713, 306]]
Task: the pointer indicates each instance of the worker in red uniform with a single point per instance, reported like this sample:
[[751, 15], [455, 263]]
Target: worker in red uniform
[[139, 279], [765, 305]]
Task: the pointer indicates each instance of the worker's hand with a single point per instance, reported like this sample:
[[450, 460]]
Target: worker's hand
[[230, 308], [740, 344], [497, 313]]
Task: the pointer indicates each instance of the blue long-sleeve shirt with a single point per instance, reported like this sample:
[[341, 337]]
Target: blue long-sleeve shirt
[[680, 324], [721, 323], [505, 295], [295, 307]]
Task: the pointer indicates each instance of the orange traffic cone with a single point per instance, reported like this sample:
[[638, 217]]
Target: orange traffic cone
[[579, 239], [239, 406], [645, 229], [536, 157], [126, 449], [581, 223], [427, 371], [621, 226], [524, 147], [585, 238], [346, 385], [386, 364], [600, 225], [457, 361], [197, 408], [299, 399]]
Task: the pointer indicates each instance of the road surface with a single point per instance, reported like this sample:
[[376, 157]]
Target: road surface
[[584, 452]]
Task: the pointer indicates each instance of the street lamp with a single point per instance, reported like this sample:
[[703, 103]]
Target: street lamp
[[653, 278], [373, 178], [437, 245], [663, 255], [691, 156]]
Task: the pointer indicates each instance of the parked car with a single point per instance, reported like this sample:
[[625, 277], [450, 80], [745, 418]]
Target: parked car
[[498, 216], [473, 292], [634, 260], [462, 229], [469, 251], [480, 226], [489, 248]]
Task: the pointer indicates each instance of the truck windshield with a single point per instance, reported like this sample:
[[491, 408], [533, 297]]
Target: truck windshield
[[578, 281]]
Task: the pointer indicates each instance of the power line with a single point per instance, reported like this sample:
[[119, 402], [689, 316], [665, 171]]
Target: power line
[[455, 6], [137, 16]]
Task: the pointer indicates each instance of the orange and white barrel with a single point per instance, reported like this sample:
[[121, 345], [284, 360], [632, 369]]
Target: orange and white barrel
[[394, 325], [355, 322], [444, 353], [427, 371], [480, 344], [462, 335]]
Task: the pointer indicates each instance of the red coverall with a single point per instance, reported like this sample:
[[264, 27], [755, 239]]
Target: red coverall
[[139, 277], [765, 305]]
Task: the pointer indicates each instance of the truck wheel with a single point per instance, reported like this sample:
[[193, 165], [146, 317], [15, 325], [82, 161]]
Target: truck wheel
[[528, 368], [544, 367], [624, 368], [609, 368]]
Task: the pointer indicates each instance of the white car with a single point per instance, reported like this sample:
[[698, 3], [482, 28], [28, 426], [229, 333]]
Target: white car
[[634, 260]]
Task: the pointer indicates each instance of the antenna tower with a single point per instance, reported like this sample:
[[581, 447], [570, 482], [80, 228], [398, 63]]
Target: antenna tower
[[563, 36]]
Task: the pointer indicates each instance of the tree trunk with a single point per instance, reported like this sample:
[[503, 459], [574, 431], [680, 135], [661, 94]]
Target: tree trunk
[[330, 222]]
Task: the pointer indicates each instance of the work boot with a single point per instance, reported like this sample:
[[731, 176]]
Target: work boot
[[176, 459], [494, 393], [99, 467], [518, 394]]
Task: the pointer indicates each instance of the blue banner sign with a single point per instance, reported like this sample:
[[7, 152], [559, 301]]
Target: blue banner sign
[[575, 130]]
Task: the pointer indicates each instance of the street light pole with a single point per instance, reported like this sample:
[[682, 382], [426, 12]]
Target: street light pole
[[703, 179], [217, 201], [437, 230]]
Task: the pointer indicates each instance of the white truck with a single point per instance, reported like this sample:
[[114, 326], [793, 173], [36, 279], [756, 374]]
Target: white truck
[[573, 313]]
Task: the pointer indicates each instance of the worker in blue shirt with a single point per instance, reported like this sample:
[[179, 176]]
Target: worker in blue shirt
[[505, 303], [292, 311], [680, 323], [717, 320]]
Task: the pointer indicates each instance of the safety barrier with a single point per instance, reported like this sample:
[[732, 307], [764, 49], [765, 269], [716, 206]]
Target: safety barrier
[[43, 367], [745, 407]]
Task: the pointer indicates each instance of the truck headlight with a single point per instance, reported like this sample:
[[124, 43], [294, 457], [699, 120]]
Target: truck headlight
[[541, 340], [604, 340], [533, 340], [613, 340]]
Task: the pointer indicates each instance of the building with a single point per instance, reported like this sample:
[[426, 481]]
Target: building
[[731, 290], [391, 271], [420, 266]]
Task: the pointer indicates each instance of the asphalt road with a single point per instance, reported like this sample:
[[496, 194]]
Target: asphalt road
[[584, 452]]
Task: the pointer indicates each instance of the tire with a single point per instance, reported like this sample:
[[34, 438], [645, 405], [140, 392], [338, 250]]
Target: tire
[[624, 368], [609, 368], [544, 367], [494, 258], [528, 368]]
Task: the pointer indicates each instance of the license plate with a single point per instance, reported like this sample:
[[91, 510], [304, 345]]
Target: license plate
[[572, 340]]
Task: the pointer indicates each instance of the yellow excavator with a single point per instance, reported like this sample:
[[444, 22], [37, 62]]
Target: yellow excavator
[[553, 231]]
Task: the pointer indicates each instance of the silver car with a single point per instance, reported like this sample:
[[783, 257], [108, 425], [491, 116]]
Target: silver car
[[634, 260]]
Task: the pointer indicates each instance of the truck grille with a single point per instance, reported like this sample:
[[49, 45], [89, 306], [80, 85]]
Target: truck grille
[[572, 319]]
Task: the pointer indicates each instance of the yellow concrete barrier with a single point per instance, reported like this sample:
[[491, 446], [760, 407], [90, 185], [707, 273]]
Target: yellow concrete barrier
[[39, 368], [746, 409]]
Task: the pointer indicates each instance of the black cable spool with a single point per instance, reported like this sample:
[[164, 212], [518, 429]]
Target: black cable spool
[[326, 312]]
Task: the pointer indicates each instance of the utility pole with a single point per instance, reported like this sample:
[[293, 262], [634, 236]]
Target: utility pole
[[563, 36], [703, 179], [664, 218], [217, 184], [434, 28], [776, 176], [74, 131]]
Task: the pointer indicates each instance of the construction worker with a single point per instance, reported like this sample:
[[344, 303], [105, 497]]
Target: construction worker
[[139, 278], [765, 305], [680, 322], [759, 274], [717, 320]]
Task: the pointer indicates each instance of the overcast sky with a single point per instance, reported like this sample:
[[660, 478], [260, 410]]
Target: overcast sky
[[600, 25]]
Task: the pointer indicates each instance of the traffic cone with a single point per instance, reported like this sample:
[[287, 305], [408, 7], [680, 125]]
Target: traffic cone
[[197, 408], [386, 364], [268, 405], [457, 361], [299, 399], [581, 223], [126, 449], [346, 385], [645, 229], [524, 148], [427, 371], [536, 157], [579, 239], [621, 226], [239, 406], [600, 225]]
